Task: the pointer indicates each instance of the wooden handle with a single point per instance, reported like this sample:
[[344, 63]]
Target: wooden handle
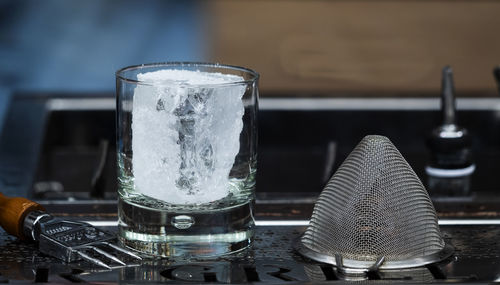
[[13, 211]]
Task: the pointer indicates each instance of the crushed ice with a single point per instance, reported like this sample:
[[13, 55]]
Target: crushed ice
[[185, 134]]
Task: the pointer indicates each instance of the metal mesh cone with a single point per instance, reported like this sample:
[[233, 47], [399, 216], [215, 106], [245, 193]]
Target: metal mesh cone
[[374, 206]]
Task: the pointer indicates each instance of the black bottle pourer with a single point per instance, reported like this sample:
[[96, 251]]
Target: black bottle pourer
[[449, 144]]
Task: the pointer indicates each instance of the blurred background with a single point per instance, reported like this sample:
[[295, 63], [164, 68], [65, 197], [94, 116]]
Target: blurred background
[[78, 45], [301, 48]]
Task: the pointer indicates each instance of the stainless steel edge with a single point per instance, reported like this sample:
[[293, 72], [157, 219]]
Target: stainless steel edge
[[305, 104], [446, 252]]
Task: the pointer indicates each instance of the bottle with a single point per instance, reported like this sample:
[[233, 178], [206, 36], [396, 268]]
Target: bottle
[[451, 165]]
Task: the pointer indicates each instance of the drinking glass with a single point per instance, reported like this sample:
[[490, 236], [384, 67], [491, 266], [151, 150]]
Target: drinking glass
[[187, 156]]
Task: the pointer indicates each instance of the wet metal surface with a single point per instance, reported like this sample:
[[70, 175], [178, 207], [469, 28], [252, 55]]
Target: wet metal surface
[[272, 260]]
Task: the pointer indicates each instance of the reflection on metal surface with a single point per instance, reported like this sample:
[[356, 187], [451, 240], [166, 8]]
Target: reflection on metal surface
[[311, 104], [81, 104], [385, 104], [271, 260]]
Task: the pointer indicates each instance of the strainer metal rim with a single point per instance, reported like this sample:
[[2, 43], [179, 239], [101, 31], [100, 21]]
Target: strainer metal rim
[[443, 254]]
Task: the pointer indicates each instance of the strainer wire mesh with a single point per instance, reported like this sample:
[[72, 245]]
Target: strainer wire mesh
[[374, 206]]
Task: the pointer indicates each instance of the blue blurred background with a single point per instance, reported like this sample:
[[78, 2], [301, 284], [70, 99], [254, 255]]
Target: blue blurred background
[[78, 45], [300, 48]]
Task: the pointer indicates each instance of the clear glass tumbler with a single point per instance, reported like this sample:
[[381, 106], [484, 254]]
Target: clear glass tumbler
[[187, 156]]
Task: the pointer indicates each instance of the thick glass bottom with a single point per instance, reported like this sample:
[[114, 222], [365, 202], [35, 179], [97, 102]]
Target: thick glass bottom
[[185, 233]]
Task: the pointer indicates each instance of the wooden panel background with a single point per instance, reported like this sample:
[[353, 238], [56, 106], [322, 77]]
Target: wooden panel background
[[332, 47]]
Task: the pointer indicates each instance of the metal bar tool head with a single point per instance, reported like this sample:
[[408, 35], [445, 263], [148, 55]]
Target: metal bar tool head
[[66, 240], [72, 241]]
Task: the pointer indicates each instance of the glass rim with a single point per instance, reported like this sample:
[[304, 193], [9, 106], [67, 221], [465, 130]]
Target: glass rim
[[254, 75]]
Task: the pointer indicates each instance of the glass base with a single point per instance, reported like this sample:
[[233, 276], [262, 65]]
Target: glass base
[[185, 233]]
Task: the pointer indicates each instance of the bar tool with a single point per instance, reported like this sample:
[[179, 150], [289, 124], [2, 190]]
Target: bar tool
[[374, 214], [66, 240], [451, 165]]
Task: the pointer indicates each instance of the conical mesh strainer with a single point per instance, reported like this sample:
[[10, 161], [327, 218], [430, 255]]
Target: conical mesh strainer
[[374, 213]]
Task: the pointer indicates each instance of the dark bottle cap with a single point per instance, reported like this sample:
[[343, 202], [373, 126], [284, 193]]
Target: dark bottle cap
[[449, 144]]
